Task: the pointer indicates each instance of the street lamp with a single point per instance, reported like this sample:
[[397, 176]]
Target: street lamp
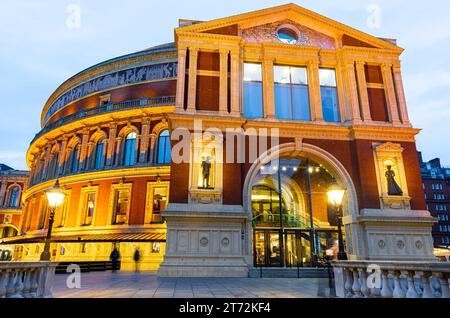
[[336, 196], [55, 197]]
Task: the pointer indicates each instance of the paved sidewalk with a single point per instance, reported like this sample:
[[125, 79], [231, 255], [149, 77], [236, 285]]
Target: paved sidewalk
[[148, 285]]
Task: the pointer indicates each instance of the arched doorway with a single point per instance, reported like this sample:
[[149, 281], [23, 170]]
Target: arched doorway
[[302, 230]]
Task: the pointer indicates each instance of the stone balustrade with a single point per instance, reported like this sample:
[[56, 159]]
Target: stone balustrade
[[26, 280], [371, 279]]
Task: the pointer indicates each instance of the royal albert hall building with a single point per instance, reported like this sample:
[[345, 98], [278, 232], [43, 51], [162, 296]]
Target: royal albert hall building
[[331, 95]]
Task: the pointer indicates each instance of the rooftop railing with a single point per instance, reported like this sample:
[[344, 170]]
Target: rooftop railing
[[108, 108]]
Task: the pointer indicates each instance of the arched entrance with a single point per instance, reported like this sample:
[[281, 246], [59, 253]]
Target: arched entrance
[[292, 222]]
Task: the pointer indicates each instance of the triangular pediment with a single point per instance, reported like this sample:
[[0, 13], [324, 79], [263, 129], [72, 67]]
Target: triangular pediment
[[314, 29]]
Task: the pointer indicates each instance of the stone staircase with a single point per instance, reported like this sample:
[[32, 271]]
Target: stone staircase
[[289, 273]]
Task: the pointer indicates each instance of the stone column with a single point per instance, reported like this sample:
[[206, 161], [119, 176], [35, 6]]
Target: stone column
[[62, 157], [111, 144], [362, 88], [152, 147], [3, 192], [145, 139], [352, 93], [181, 79], [235, 84], [192, 93], [118, 156], [390, 93], [315, 99], [223, 99], [269, 89], [83, 150], [401, 95]]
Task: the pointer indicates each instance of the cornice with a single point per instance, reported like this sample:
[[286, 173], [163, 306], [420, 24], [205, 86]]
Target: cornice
[[97, 176]]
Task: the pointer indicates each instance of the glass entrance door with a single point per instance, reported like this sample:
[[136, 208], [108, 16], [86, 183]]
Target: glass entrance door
[[267, 248]]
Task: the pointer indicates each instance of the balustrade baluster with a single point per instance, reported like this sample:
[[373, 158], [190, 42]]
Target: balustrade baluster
[[427, 291], [386, 290], [356, 287], [3, 281], [411, 292], [348, 282], [10, 287], [398, 290], [365, 291], [27, 283], [19, 284], [443, 280], [35, 282]]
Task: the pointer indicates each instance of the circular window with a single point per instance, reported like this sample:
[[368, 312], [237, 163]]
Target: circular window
[[287, 35]]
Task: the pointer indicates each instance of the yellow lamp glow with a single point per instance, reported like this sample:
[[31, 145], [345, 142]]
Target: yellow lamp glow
[[55, 196], [336, 194]]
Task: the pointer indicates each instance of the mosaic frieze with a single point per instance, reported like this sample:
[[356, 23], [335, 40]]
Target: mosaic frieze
[[268, 33], [126, 77]]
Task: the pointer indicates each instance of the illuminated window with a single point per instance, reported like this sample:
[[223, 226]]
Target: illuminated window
[[157, 201], [291, 93], [130, 149], [328, 92], [121, 204], [253, 97], [88, 208], [164, 148]]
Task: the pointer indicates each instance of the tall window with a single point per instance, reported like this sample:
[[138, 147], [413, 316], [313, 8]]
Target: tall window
[[89, 209], [14, 197], [121, 206], [99, 155], [328, 92], [54, 166], [74, 160], [253, 97], [164, 148], [130, 150], [291, 93]]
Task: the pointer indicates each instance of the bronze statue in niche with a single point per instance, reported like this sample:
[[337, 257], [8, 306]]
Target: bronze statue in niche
[[393, 187], [206, 173]]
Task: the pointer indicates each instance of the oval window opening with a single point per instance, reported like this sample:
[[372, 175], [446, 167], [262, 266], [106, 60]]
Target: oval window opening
[[287, 36]]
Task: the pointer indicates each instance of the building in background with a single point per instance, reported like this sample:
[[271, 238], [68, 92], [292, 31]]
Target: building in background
[[436, 185], [330, 101], [12, 185]]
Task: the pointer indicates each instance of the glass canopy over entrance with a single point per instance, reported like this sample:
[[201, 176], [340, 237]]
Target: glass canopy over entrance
[[294, 224]]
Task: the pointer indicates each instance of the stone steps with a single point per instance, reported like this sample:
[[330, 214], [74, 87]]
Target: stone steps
[[289, 273]]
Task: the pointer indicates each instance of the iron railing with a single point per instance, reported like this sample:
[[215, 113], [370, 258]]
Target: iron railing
[[108, 108]]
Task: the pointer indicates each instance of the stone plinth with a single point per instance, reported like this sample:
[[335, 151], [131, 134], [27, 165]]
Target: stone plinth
[[204, 241]]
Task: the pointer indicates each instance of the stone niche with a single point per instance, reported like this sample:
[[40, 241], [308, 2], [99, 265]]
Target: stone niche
[[395, 232]]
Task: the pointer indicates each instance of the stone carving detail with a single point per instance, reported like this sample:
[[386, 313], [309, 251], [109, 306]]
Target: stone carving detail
[[205, 197], [381, 244], [204, 242], [135, 75], [401, 244], [226, 242], [419, 245]]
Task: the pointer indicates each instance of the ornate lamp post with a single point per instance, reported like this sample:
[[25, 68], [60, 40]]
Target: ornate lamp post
[[336, 196], [55, 197]]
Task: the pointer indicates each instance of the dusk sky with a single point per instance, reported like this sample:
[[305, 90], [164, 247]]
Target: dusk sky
[[40, 48]]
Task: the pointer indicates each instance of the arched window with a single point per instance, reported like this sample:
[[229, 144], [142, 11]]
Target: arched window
[[14, 197], [99, 154], [164, 148], [130, 150], [54, 165], [74, 160]]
